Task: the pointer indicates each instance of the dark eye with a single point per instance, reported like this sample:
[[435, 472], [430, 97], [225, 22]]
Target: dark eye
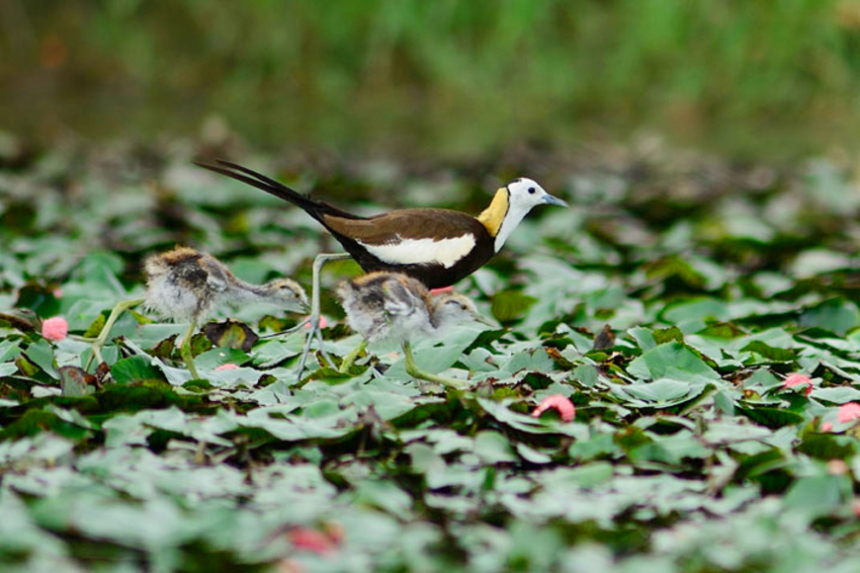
[[531, 190]]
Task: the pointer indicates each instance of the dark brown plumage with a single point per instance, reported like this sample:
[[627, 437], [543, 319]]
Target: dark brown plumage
[[417, 224]]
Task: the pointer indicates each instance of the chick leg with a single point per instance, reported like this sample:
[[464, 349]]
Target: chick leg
[[413, 370], [102, 338], [185, 349], [350, 358], [314, 318]]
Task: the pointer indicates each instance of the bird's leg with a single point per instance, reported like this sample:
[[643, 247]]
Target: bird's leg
[[102, 338], [314, 318], [185, 349], [350, 358], [413, 370]]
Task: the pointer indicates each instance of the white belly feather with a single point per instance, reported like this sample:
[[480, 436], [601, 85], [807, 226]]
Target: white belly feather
[[445, 252]]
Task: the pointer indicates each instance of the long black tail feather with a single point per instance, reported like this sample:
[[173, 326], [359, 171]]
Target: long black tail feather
[[250, 177]]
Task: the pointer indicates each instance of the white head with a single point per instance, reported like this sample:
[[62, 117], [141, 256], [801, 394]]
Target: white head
[[512, 203]]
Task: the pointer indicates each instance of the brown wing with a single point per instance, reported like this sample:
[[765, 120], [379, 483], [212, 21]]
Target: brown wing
[[406, 224]]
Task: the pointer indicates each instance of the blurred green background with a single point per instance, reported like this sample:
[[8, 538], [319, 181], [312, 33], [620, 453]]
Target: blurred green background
[[750, 78]]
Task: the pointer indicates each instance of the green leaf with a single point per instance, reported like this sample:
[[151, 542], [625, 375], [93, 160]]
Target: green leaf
[[75, 381], [231, 334], [644, 337], [41, 353], [673, 333], [597, 446], [133, 370], [836, 315], [769, 352], [510, 305], [585, 375], [670, 360], [828, 447], [816, 495], [8, 368], [384, 495], [663, 392], [698, 309], [772, 417], [838, 395], [493, 448]]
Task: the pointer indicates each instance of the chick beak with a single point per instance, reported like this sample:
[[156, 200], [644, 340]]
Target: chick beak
[[478, 317], [300, 305]]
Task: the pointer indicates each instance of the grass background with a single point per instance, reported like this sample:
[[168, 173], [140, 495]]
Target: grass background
[[748, 78]]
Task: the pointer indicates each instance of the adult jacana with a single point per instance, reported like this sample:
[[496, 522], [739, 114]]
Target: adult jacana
[[436, 246]]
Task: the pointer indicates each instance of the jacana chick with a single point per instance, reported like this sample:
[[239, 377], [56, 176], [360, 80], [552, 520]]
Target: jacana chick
[[396, 307], [186, 285]]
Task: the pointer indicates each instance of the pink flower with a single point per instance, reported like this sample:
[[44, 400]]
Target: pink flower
[[797, 379], [55, 328], [837, 467], [848, 412], [562, 405], [855, 507], [441, 290], [227, 366], [826, 427], [323, 322], [57, 292], [312, 540]]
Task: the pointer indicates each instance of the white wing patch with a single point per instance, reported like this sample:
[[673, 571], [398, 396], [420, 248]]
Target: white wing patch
[[445, 252]]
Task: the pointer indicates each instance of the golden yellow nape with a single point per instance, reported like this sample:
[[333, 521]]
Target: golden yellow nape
[[492, 216]]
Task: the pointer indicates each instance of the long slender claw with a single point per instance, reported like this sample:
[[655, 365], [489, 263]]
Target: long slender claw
[[325, 354], [299, 326], [305, 351]]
